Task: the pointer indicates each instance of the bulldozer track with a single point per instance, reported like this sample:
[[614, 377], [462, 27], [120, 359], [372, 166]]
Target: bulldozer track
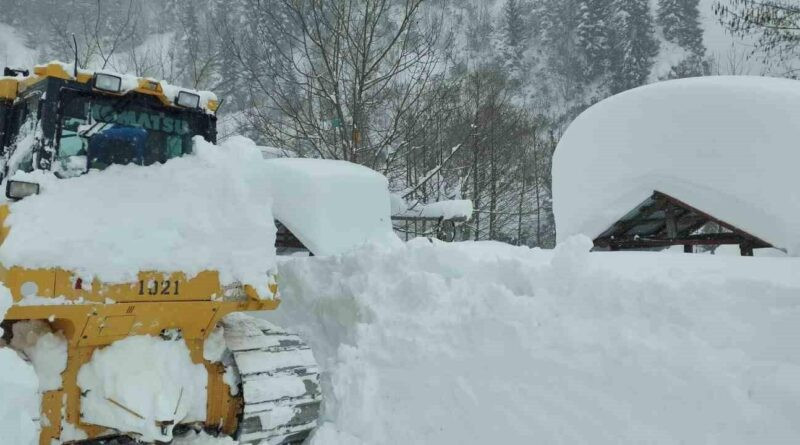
[[279, 381]]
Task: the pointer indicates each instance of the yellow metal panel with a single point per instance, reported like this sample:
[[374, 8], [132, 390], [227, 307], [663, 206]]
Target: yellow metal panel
[[4, 211], [8, 88], [149, 287], [153, 88], [51, 410], [117, 325], [58, 71], [39, 282]]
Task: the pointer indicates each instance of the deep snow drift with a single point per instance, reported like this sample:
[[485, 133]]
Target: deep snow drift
[[209, 211], [331, 206], [487, 343], [151, 377], [725, 145], [19, 401]]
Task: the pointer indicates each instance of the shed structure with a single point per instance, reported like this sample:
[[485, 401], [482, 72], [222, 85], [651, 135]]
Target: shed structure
[[663, 221]]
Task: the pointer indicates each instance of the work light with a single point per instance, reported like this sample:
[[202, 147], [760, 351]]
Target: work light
[[21, 189], [188, 100], [108, 82]]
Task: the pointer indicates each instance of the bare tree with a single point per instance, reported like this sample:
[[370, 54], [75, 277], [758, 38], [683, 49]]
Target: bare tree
[[775, 25], [339, 79]]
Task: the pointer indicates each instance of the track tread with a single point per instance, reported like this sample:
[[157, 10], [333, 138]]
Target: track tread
[[280, 381]]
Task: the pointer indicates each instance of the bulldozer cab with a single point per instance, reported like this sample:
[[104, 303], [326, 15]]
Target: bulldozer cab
[[56, 120]]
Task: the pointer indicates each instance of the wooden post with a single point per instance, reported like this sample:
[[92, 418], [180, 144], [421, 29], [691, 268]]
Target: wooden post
[[672, 223]]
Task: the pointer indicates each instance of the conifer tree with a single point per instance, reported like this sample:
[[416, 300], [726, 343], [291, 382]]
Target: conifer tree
[[635, 46], [680, 23], [594, 37]]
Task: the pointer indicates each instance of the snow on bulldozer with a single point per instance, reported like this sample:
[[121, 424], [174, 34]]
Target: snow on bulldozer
[[132, 247]]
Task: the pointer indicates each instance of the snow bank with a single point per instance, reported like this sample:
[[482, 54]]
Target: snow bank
[[726, 145], [130, 385], [458, 208], [331, 206], [266, 152], [14, 51], [207, 211], [202, 438], [46, 350], [19, 400], [488, 343]]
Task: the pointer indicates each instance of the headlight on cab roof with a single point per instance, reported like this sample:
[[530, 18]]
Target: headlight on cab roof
[[188, 100], [21, 189], [108, 82]]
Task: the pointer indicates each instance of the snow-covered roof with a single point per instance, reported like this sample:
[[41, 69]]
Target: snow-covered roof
[[330, 206], [725, 145]]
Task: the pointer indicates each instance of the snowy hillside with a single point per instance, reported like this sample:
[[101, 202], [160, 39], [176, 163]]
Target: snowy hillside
[[487, 343]]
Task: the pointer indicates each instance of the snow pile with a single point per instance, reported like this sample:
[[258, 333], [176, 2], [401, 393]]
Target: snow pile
[[331, 206], [131, 384], [266, 152], [488, 343], [207, 211], [725, 145], [46, 350], [214, 346], [202, 438], [14, 52], [19, 400], [452, 209]]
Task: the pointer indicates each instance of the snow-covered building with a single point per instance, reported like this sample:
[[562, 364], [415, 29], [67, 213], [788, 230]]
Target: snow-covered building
[[662, 164]]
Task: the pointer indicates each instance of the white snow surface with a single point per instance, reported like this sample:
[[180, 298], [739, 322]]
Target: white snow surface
[[725, 145], [19, 399], [489, 343], [331, 206], [14, 51], [206, 211], [202, 438], [151, 377], [214, 346], [456, 208], [46, 350]]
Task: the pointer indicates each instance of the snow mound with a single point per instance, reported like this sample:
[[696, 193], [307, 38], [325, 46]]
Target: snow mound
[[46, 350], [19, 399], [207, 211], [202, 438], [138, 381], [725, 145], [14, 51], [450, 209], [214, 346], [331, 206], [488, 343]]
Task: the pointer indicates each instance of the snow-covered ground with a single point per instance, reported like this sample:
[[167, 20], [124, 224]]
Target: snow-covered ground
[[488, 343]]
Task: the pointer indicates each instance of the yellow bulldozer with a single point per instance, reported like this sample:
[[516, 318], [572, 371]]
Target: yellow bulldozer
[[64, 114]]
